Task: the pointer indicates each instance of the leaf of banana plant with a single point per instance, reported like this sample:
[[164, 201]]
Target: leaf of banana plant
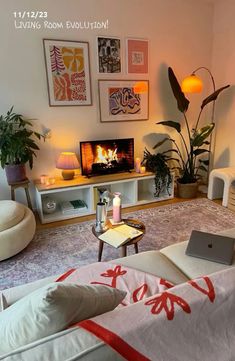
[[182, 101], [213, 96], [204, 161], [201, 167], [161, 142], [202, 134], [200, 151], [171, 150], [171, 124]]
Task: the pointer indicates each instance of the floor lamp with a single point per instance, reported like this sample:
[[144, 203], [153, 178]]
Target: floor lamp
[[193, 84]]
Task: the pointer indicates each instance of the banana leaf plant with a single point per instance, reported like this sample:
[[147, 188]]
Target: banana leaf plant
[[195, 142]]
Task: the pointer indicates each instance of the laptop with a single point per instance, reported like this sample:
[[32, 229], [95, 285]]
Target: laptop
[[211, 247]]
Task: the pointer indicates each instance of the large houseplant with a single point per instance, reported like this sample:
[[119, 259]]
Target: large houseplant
[[194, 142], [17, 145]]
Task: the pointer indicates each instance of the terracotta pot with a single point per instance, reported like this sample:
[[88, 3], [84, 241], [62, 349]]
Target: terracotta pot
[[187, 190], [15, 173]]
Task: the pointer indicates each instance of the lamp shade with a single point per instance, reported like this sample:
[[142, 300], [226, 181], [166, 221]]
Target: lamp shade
[[191, 84], [67, 160]]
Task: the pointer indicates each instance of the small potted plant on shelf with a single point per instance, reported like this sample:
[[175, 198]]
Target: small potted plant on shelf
[[17, 145], [194, 143], [157, 163]]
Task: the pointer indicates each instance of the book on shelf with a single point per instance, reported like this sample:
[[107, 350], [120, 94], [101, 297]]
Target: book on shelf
[[71, 207], [120, 235]]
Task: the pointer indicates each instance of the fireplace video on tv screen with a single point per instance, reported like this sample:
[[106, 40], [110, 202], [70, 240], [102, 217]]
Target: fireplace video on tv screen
[[101, 157]]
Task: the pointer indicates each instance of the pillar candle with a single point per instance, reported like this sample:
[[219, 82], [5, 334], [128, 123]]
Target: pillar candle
[[117, 208], [137, 165], [142, 170]]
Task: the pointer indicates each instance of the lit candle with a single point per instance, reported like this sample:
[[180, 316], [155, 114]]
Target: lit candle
[[142, 170], [43, 178], [117, 208], [52, 180], [47, 182], [137, 165]]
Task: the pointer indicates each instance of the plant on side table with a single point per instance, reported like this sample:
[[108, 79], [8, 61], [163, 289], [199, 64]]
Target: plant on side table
[[17, 145], [194, 142]]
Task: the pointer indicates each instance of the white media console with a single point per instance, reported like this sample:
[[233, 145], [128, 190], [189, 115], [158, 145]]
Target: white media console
[[135, 188]]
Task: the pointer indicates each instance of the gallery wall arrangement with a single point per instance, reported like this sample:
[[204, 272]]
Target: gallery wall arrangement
[[69, 76]]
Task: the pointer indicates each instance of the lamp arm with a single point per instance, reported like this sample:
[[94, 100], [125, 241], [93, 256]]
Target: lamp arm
[[205, 68]]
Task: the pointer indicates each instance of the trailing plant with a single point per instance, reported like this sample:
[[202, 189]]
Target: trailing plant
[[157, 163], [17, 143], [195, 142]]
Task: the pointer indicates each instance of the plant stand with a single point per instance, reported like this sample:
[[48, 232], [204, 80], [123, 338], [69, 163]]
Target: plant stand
[[24, 184]]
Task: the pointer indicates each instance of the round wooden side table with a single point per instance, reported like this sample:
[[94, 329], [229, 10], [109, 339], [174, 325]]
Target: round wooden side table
[[123, 248]]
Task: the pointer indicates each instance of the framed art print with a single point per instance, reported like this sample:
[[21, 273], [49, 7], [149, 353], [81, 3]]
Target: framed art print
[[68, 72], [137, 56], [123, 100], [109, 54]]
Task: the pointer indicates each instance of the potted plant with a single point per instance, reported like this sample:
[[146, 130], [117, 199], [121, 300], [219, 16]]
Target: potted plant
[[17, 145], [193, 143], [157, 163]]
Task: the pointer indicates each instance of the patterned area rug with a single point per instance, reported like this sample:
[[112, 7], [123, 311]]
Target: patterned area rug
[[55, 250]]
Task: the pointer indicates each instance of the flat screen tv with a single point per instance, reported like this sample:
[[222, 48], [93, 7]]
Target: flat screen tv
[[101, 157]]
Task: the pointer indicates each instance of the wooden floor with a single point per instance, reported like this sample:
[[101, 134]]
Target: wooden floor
[[125, 210]]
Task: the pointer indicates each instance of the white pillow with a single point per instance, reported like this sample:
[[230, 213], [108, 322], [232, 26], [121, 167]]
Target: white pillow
[[51, 309]]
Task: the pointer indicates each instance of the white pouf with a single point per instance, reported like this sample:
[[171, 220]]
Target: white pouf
[[17, 228], [227, 175]]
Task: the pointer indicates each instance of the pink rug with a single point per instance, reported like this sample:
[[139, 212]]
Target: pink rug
[[54, 250]]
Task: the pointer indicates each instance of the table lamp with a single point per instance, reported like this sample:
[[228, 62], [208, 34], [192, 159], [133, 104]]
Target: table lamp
[[67, 161]]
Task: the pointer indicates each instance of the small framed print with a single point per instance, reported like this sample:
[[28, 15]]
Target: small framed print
[[68, 72], [123, 100], [137, 56], [109, 54]]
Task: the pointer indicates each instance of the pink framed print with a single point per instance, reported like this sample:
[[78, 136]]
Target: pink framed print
[[137, 56]]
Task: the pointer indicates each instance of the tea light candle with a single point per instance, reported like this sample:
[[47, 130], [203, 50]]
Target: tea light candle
[[137, 165], [117, 208], [52, 180], [43, 178], [142, 170], [47, 181]]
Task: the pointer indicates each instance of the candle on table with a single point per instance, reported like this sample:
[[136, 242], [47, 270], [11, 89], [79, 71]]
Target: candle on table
[[137, 165], [52, 180], [142, 170], [47, 181], [43, 178], [117, 208]]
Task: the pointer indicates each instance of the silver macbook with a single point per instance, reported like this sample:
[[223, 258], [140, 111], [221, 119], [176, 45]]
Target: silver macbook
[[211, 247]]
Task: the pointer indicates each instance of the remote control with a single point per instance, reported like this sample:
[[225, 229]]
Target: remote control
[[135, 225]]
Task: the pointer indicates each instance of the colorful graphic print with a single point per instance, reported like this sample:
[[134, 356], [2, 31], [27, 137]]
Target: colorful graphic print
[[124, 101], [68, 73]]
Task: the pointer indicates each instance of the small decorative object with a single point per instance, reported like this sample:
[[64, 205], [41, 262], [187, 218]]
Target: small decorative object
[[68, 72], [101, 217], [68, 162], [47, 182], [117, 207], [142, 169], [137, 56], [49, 205], [17, 146], [43, 178], [137, 165], [109, 55], [194, 141], [123, 100]]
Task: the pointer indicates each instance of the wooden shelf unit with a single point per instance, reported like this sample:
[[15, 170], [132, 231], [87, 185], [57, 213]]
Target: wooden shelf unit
[[135, 188]]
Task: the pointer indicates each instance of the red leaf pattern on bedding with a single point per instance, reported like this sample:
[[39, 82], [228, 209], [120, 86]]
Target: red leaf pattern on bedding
[[166, 301], [210, 292], [166, 283], [140, 292], [112, 273]]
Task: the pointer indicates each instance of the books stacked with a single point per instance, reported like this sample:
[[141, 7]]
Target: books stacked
[[73, 207], [118, 236]]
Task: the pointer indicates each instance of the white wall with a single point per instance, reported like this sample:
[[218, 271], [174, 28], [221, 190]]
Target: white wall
[[180, 35], [223, 68]]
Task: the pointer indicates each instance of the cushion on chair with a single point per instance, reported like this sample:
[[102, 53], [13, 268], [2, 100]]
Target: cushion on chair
[[11, 213]]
